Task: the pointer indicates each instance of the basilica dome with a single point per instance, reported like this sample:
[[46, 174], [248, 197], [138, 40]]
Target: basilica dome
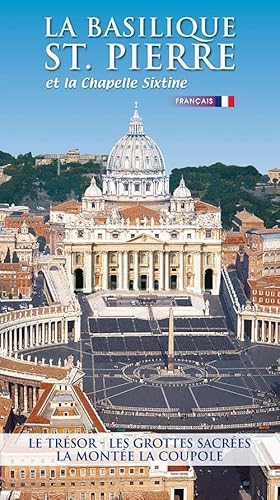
[[93, 190], [24, 236], [182, 191], [136, 151]]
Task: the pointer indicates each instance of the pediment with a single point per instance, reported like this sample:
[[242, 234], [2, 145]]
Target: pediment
[[146, 239]]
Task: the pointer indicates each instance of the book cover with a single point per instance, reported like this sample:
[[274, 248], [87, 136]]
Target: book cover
[[139, 251]]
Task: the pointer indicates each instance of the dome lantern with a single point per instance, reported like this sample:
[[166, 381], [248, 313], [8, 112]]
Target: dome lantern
[[136, 124]]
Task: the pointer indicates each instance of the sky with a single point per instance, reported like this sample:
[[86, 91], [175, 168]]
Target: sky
[[34, 118]]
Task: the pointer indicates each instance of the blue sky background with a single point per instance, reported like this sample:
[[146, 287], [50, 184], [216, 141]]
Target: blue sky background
[[35, 119]]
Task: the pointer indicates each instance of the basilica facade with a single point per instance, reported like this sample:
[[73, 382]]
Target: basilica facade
[[135, 235]]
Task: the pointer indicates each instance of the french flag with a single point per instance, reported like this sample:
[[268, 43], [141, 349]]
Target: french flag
[[224, 101]]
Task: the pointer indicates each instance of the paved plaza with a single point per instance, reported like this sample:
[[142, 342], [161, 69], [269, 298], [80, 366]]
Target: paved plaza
[[218, 382]]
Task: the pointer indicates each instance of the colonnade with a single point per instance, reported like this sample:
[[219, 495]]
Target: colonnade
[[169, 271], [21, 330], [259, 329], [18, 338], [24, 395]]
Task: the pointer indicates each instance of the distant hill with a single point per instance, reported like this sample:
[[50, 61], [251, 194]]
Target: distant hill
[[6, 158], [41, 185]]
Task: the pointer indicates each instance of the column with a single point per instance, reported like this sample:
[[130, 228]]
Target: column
[[120, 274], [88, 272], [16, 396], [136, 271], [29, 331], [10, 341], [125, 270], [32, 336], [15, 339], [161, 271], [242, 329], [17, 333], [55, 332], [25, 398], [64, 333], [59, 330], [262, 331], [41, 333], [259, 330], [105, 270], [254, 330], [181, 271], [238, 326], [34, 396], [151, 271], [197, 272], [77, 329], [273, 331], [37, 334], [166, 270], [49, 333], [269, 332], [29, 335], [23, 337], [68, 266]]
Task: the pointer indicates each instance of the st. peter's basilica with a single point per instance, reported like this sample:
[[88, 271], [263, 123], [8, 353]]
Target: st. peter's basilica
[[135, 235]]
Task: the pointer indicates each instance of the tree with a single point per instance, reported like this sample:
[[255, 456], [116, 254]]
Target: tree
[[265, 178], [42, 243], [7, 259], [15, 258]]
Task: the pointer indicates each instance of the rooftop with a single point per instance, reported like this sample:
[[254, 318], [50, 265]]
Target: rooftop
[[139, 212], [5, 409], [70, 206], [202, 206], [266, 282], [80, 406], [33, 368], [246, 216], [232, 237], [153, 495]]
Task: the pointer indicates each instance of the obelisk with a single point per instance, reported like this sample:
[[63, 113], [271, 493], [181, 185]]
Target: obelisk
[[170, 365]]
